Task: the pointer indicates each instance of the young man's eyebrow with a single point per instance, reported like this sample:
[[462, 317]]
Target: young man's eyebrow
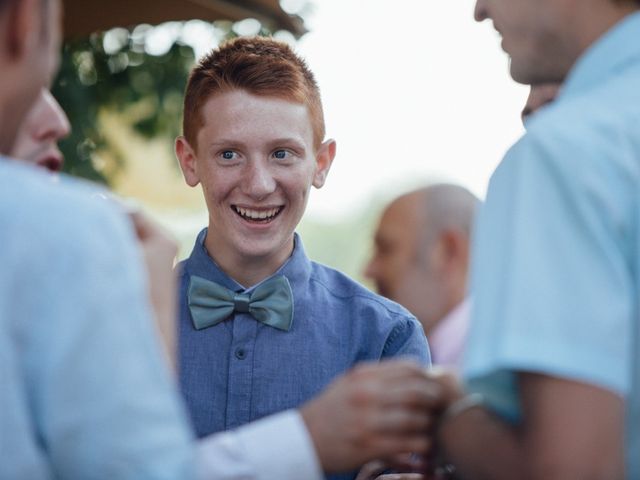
[[287, 140], [225, 143]]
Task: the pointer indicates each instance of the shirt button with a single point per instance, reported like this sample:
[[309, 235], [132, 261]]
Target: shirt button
[[241, 353]]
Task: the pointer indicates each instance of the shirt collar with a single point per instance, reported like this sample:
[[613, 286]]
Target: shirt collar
[[447, 338], [297, 268], [613, 51]]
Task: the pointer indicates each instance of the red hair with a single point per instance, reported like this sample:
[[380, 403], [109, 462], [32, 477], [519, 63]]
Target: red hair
[[259, 65]]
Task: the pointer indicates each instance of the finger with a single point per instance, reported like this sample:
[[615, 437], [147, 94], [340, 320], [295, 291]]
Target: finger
[[418, 394], [406, 462], [402, 421], [401, 476], [371, 470], [393, 369], [393, 444]]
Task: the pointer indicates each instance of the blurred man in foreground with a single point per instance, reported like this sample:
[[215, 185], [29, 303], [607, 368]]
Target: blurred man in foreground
[[553, 351], [421, 259]]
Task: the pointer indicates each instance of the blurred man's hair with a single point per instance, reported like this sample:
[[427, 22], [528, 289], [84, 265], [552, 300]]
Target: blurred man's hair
[[260, 66]]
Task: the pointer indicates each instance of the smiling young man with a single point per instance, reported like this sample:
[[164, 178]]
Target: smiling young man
[[554, 346], [262, 327]]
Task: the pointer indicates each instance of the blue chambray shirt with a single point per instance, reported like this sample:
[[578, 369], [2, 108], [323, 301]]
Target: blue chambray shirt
[[241, 370], [83, 389], [556, 259]]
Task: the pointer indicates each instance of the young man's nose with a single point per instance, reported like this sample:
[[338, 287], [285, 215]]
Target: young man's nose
[[258, 180]]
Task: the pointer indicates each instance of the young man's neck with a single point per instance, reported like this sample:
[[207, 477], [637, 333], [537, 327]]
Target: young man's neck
[[247, 271]]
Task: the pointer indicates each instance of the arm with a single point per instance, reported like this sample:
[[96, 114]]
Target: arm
[[554, 295], [407, 339], [570, 430], [104, 403], [159, 252]]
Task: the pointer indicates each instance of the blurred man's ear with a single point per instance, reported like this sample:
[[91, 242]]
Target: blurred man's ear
[[188, 161], [454, 249], [23, 21], [324, 158]]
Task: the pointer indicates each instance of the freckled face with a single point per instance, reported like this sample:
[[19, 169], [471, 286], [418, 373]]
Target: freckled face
[[256, 162]]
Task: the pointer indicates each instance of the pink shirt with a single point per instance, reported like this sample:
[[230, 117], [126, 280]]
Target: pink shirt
[[447, 339]]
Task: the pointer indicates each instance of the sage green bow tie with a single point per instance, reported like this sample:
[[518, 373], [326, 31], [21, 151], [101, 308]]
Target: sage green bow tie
[[270, 303]]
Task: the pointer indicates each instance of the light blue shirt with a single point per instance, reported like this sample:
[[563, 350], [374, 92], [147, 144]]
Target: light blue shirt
[[555, 275], [83, 391]]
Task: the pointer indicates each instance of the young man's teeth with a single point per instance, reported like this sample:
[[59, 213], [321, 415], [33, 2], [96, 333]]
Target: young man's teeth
[[257, 215]]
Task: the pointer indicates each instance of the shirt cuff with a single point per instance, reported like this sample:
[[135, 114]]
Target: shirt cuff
[[277, 446]]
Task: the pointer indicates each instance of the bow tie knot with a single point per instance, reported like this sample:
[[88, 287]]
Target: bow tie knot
[[271, 302], [241, 302]]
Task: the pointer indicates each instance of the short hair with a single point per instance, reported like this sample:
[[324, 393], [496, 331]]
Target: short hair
[[259, 65], [449, 206]]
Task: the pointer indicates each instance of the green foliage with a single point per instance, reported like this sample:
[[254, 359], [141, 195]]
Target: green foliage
[[116, 72], [91, 79]]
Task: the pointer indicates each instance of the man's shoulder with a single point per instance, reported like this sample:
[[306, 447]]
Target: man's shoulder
[[598, 116], [347, 290], [589, 138]]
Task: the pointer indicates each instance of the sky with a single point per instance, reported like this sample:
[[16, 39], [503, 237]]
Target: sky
[[413, 91]]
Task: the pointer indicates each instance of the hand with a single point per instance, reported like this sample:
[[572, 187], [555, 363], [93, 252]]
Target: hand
[[374, 411], [400, 463], [159, 251], [402, 476]]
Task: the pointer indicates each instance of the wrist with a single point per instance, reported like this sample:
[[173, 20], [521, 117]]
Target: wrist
[[447, 431], [460, 405]]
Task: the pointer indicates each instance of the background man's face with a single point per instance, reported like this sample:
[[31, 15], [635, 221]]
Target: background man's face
[[534, 35], [404, 265]]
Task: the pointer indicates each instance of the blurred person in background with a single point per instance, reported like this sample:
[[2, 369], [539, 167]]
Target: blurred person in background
[[421, 260]]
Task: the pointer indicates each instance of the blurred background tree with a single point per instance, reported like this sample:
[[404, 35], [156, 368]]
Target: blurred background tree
[[126, 72]]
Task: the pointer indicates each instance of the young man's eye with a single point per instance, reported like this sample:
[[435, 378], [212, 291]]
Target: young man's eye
[[281, 154], [228, 155]]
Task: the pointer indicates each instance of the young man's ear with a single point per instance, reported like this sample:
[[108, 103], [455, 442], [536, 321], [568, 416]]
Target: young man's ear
[[324, 158], [187, 158]]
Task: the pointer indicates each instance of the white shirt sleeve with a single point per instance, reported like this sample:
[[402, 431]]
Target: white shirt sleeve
[[277, 447]]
